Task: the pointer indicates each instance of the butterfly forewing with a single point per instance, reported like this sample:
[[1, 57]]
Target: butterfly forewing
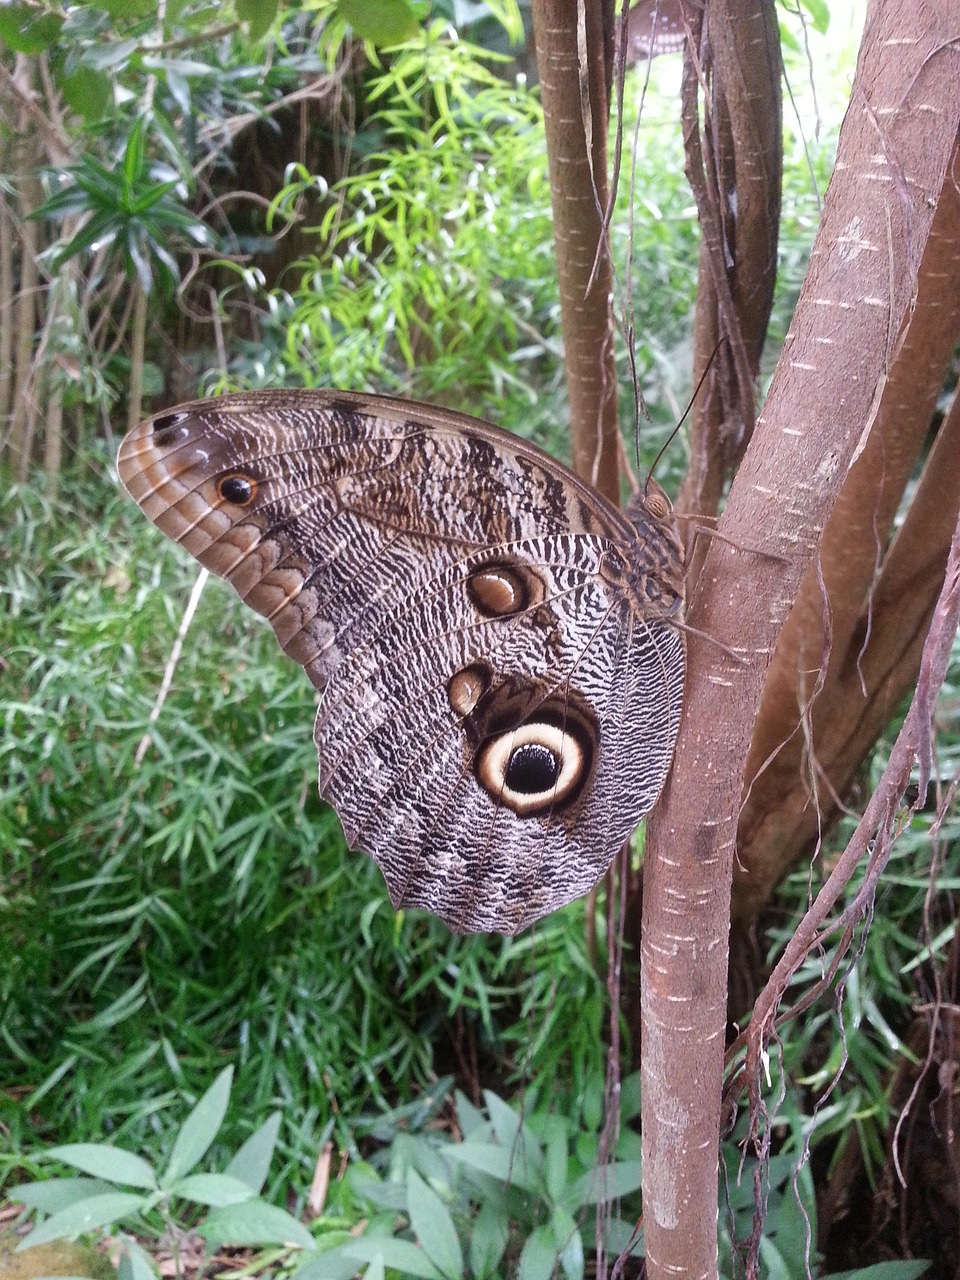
[[500, 677]]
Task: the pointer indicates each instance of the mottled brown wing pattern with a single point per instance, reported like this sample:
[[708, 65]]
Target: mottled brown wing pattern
[[499, 674]]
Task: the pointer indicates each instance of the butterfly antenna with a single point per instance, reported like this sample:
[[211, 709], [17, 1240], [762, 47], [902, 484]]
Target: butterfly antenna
[[686, 412]]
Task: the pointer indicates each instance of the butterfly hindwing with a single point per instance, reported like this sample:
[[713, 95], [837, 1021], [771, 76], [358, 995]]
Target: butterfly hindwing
[[500, 681]]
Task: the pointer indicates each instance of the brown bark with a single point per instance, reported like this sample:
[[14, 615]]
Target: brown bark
[[575, 109], [734, 165], [850, 649], [894, 150]]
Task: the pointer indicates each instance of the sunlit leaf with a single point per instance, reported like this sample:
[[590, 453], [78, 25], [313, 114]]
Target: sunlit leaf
[[88, 92], [382, 22], [26, 31], [257, 15]]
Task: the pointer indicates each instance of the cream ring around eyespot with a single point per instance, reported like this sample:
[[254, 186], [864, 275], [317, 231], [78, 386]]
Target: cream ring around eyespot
[[569, 758]]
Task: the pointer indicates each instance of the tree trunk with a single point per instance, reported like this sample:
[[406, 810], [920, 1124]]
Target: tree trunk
[[851, 647], [894, 151]]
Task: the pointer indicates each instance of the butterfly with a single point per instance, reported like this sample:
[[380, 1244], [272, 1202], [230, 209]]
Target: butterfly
[[497, 649]]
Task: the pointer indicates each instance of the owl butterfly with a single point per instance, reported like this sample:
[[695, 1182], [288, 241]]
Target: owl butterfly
[[495, 645]]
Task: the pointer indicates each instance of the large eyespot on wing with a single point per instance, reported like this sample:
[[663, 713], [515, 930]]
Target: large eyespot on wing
[[534, 748]]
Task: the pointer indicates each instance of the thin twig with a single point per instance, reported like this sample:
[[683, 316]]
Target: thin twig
[[171, 666]]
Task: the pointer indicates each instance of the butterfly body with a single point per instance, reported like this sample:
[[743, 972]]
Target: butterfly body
[[495, 646]]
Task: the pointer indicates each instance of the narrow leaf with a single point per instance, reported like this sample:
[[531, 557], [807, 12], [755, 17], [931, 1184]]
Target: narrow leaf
[[199, 1129], [255, 1222], [135, 1261], [617, 1180], [252, 1162], [103, 1161], [85, 1215], [57, 1193], [497, 1161], [433, 1226], [214, 1189], [133, 156], [488, 1240], [569, 1243], [538, 1257], [401, 1255]]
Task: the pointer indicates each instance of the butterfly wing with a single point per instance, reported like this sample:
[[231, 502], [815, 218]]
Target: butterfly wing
[[498, 702]]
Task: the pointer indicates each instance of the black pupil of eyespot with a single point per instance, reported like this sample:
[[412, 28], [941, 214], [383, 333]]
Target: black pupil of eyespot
[[531, 769], [235, 489]]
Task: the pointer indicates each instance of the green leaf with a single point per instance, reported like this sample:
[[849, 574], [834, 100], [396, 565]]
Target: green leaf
[[127, 8], [497, 1161], [251, 1164], [618, 1180], [214, 1189], [382, 22], [85, 1215], [26, 31], [135, 1262], [401, 1255], [433, 1226], [199, 1129], [538, 1257], [819, 15], [255, 1222], [569, 1243], [133, 156], [57, 1193], [257, 15], [630, 1097], [900, 1270], [554, 1135], [332, 1264], [88, 92], [488, 1240], [103, 1161]]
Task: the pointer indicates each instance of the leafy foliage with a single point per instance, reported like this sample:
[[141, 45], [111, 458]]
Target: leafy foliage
[[90, 1203], [129, 212]]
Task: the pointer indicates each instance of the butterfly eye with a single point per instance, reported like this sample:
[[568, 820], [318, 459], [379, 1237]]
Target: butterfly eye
[[237, 489], [535, 768]]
